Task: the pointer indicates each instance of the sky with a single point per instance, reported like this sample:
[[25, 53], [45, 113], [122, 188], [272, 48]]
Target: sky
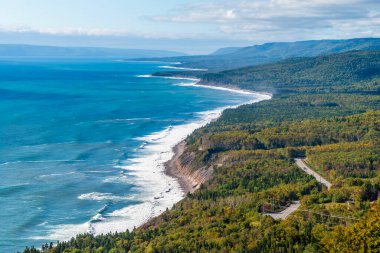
[[191, 26]]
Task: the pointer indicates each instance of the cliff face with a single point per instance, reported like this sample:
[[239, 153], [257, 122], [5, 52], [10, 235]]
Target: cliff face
[[180, 166]]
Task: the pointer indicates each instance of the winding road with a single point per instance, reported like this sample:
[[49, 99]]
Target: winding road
[[295, 205], [286, 212], [300, 163]]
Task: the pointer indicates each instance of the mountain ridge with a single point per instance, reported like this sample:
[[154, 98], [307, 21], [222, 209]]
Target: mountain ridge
[[272, 52]]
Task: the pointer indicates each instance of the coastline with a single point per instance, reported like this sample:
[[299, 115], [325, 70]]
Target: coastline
[[190, 181], [175, 170], [171, 172], [197, 83]]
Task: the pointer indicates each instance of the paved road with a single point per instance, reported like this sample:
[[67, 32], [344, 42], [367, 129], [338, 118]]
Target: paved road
[[293, 207], [285, 213], [300, 163]]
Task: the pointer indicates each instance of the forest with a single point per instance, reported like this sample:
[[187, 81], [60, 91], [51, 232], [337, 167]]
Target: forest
[[324, 109]]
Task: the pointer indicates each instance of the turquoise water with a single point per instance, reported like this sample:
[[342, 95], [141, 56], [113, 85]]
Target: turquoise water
[[81, 142]]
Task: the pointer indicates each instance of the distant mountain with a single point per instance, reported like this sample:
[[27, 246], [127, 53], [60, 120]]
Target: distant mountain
[[8, 50], [226, 50], [231, 58]]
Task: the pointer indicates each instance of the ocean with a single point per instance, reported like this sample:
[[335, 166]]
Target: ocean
[[83, 142]]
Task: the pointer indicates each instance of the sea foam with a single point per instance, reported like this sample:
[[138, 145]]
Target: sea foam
[[103, 196]]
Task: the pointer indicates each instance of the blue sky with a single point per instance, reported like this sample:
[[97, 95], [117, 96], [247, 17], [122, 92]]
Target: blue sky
[[192, 26]]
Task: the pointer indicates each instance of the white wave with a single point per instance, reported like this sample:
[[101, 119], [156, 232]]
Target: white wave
[[239, 91], [144, 76], [97, 218], [46, 144], [182, 68], [142, 146], [121, 120], [57, 174], [104, 208], [98, 196], [127, 218], [154, 136], [99, 171], [121, 179], [42, 224], [41, 161], [63, 232], [170, 77]]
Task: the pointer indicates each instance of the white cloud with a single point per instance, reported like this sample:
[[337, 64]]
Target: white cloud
[[64, 31], [283, 19], [242, 20]]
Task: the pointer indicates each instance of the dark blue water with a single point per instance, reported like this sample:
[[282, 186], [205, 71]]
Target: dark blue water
[[69, 129]]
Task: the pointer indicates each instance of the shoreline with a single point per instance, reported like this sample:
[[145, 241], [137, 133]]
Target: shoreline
[[197, 83], [171, 165], [190, 181], [173, 169]]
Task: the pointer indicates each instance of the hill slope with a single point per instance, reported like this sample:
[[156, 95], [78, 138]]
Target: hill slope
[[323, 72]]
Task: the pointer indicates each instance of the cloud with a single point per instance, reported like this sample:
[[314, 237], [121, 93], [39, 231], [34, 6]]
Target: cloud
[[64, 31], [85, 32], [283, 19], [238, 21]]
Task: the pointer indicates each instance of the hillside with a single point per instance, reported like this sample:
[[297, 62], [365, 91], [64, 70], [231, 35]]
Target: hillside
[[319, 74], [232, 58], [325, 109], [88, 52], [323, 72]]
